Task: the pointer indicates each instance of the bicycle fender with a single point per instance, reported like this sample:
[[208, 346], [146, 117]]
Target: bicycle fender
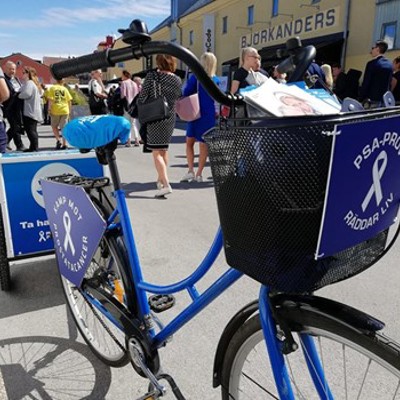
[[287, 307], [233, 325]]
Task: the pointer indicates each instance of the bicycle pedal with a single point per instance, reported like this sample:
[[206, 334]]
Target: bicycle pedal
[[161, 302]]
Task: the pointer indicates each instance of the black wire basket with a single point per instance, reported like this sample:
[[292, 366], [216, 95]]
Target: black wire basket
[[270, 181]]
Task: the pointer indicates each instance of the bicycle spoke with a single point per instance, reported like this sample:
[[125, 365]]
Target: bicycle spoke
[[397, 391], [310, 359], [364, 378], [293, 380], [259, 386]]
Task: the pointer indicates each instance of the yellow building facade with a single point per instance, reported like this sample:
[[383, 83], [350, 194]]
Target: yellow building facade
[[341, 30]]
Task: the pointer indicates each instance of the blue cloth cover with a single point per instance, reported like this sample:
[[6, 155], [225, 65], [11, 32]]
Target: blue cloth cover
[[96, 130]]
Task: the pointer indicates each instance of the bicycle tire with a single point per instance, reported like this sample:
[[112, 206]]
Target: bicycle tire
[[5, 275], [247, 374], [105, 340]]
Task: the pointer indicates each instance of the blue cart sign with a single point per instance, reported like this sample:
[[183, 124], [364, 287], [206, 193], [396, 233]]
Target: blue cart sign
[[363, 190], [26, 224], [76, 226]]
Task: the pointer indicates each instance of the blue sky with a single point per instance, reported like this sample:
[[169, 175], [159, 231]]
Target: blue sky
[[40, 28]]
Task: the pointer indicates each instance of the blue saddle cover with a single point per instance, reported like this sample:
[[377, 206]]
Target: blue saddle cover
[[96, 130]]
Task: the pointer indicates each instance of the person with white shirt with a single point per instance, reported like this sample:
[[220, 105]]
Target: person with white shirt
[[97, 94], [129, 90]]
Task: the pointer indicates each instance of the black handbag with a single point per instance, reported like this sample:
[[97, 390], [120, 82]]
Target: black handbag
[[132, 108], [154, 108]]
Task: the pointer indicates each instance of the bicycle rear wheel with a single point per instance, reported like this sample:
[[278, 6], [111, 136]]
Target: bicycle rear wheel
[[104, 338], [107, 271], [356, 365]]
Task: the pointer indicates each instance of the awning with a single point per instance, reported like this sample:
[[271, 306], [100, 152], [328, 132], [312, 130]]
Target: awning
[[233, 61], [269, 53]]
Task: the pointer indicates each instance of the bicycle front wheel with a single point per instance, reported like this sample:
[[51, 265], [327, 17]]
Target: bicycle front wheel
[[356, 365], [105, 339]]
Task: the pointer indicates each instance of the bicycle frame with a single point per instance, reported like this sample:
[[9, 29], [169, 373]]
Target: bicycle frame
[[201, 301]]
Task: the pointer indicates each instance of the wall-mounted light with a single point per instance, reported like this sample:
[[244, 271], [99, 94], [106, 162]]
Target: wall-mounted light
[[245, 27], [263, 22], [310, 5], [284, 15]]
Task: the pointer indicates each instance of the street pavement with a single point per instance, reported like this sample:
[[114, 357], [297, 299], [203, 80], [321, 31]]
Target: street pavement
[[43, 357]]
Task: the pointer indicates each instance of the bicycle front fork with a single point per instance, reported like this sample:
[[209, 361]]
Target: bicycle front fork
[[275, 351]]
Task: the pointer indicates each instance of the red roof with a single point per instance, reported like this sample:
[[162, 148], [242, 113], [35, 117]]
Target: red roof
[[43, 71]]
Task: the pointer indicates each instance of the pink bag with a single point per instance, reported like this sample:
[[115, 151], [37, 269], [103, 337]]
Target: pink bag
[[188, 108]]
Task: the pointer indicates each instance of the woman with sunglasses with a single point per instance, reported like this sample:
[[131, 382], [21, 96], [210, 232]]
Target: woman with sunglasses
[[250, 72], [32, 111]]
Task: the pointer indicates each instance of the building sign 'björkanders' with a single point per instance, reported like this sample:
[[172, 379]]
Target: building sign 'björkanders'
[[297, 27]]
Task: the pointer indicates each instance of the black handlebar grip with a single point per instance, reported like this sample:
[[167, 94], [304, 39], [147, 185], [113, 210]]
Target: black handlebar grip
[[78, 65], [302, 59], [286, 66]]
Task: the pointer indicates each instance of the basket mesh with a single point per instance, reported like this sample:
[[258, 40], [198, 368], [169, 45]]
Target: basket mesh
[[270, 187]]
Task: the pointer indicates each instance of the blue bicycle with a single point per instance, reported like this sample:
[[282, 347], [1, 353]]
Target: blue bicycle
[[274, 171]]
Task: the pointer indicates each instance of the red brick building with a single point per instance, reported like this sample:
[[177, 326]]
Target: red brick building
[[43, 71], [52, 60]]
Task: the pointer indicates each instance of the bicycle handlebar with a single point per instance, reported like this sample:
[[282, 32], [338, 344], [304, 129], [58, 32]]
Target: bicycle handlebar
[[110, 57], [297, 61]]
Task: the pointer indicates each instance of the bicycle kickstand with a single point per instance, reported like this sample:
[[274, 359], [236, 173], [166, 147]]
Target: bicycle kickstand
[[156, 390], [175, 390], [154, 393], [157, 393]]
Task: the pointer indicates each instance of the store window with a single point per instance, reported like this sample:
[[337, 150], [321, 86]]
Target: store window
[[224, 24], [250, 15], [389, 34]]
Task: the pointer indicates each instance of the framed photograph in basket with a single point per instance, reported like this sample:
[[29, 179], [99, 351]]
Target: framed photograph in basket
[[363, 190]]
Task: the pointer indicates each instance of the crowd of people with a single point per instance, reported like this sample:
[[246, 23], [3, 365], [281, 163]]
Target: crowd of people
[[23, 100], [380, 76]]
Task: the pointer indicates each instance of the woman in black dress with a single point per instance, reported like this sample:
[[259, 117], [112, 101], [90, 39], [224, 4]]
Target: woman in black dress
[[158, 134]]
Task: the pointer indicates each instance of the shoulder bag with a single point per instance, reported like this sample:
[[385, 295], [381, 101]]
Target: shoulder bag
[[188, 107], [133, 107], [153, 109]]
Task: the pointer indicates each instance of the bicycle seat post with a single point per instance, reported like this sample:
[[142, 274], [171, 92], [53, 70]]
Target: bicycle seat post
[[112, 164]]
